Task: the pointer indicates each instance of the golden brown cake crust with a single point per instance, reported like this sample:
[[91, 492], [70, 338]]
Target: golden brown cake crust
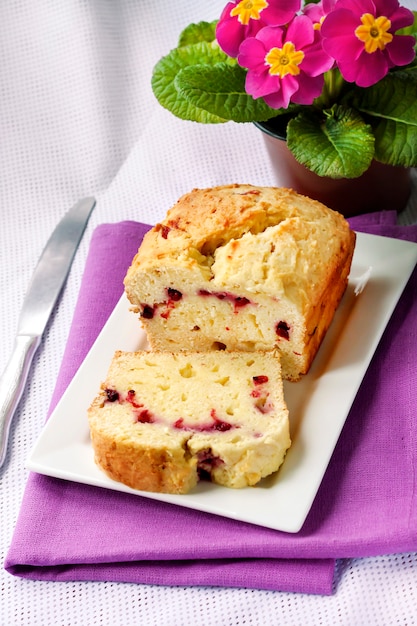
[[205, 219]]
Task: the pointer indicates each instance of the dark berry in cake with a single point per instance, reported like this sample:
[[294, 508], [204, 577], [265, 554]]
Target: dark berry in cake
[[283, 330], [147, 312], [112, 395]]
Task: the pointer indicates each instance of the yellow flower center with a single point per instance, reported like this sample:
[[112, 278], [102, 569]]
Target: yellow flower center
[[248, 10], [285, 60], [374, 32], [317, 25]]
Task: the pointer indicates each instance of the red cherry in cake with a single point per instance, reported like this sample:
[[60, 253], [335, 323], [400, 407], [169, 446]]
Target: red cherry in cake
[[142, 415], [237, 301], [241, 301], [145, 417], [221, 426], [260, 380], [283, 330], [216, 424], [131, 395], [174, 294]]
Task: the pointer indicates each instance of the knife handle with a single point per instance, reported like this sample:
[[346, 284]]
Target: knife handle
[[12, 383]]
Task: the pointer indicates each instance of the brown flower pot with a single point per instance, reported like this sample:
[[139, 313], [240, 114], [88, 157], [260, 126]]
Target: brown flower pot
[[381, 187]]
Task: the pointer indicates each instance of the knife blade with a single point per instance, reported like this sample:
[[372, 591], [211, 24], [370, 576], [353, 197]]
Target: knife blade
[[44, 288]]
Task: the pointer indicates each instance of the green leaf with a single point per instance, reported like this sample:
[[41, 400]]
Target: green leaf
[[338, 145], [166, 70], [390, 106], [220, 90], [395, 144], [193, 33]]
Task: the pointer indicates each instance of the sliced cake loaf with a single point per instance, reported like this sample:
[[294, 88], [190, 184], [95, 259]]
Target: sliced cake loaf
[[241, 267], [164, 420]]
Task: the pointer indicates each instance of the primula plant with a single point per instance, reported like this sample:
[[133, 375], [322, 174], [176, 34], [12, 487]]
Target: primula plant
[[338, 77]]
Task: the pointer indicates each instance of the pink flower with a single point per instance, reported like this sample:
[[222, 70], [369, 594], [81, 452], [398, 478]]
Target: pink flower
[[285, 63], [317, 12], [361, 37], [244, 19]]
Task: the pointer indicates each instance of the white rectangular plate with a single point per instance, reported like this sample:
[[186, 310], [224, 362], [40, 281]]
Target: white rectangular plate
[[318, 404]]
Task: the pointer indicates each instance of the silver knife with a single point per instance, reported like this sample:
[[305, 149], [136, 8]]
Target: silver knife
[[45, 286]]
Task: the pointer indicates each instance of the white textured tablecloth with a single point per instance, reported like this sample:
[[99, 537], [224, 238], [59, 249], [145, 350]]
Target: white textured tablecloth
[[77, 117]]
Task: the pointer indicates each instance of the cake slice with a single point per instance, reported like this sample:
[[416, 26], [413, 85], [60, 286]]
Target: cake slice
[[162, 420], [241, 267]]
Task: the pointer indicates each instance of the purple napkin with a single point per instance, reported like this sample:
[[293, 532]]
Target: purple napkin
[[365, 506]]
